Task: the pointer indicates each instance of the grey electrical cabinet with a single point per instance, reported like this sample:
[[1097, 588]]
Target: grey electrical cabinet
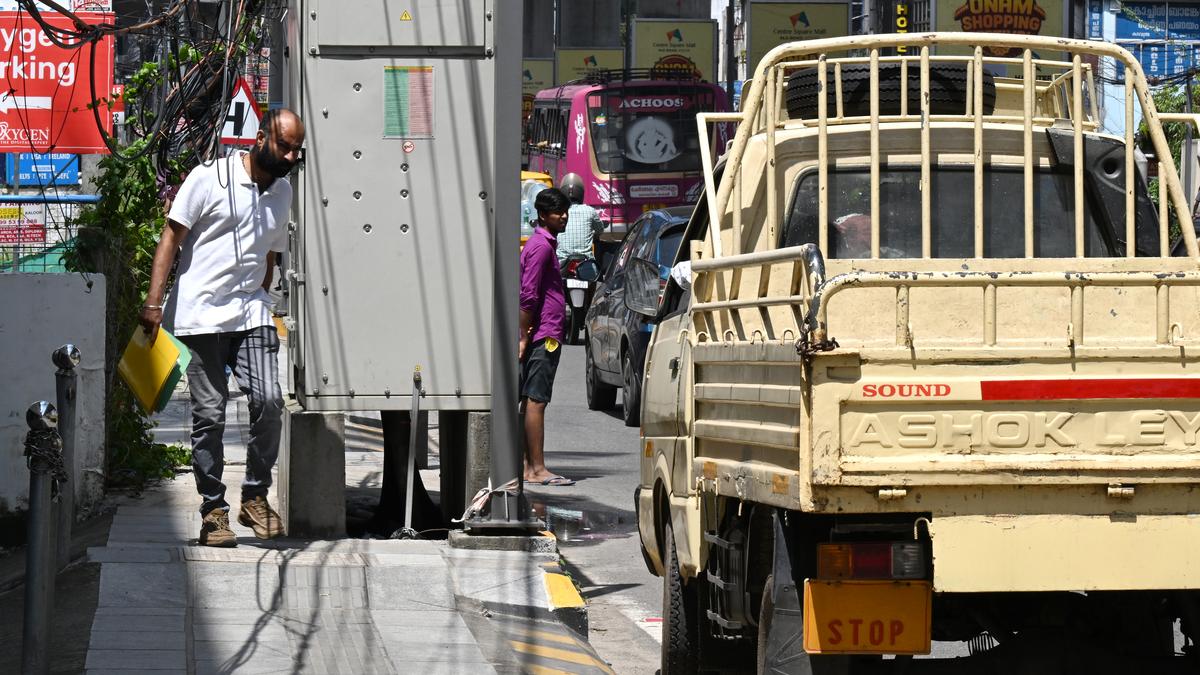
[[391, 258]]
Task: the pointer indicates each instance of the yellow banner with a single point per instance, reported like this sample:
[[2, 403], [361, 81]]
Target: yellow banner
[[574, 63], [536, 75], [676, 45], [774, 23]]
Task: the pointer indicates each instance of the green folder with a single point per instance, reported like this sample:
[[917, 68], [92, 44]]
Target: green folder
[[181, 364]]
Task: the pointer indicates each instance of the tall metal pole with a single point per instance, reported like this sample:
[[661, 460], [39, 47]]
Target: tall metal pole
[[507, 509], [730, 57], [43, 448], [66, 358], [1188, 156], [630, 10], [16, 261]]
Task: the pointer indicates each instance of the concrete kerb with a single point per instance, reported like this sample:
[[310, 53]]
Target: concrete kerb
[[516, 576]]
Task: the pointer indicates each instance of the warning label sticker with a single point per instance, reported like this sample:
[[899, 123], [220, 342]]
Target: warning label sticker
[[408, 102]]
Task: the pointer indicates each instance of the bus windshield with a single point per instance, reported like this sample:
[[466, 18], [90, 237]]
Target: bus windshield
[[648, 129]]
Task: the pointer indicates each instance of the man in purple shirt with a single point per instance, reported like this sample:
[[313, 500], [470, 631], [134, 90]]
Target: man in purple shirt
[[543, 317]]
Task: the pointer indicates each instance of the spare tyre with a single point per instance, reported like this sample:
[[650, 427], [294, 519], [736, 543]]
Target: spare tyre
[[947, 90]]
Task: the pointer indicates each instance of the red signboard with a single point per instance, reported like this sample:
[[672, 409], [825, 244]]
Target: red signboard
[[12, 236], [45, 90]]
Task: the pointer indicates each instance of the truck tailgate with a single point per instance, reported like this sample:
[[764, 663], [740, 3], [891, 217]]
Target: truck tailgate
[[994, 424]]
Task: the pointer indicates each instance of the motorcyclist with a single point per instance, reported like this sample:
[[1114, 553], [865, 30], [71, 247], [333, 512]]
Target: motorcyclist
[[583, 222]]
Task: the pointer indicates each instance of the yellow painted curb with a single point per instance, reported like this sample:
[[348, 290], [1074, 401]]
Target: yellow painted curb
[[562, 592]]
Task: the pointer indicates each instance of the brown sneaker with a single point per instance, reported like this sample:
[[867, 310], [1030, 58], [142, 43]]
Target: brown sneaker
[[214, 529], [258, 515]]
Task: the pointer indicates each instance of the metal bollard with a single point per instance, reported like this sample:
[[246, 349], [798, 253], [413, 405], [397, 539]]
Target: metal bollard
[[43, 452], [66, 358]]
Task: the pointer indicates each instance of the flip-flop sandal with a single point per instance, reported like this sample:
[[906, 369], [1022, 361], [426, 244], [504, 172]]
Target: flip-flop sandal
[[553, 480]]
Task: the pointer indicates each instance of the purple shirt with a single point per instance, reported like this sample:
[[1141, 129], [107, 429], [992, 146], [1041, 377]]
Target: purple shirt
[[542, 286]]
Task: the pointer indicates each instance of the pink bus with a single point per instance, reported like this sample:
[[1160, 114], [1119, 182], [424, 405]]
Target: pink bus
[[634, 142]]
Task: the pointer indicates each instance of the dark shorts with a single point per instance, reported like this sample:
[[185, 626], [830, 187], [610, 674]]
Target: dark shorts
[[537, 372]]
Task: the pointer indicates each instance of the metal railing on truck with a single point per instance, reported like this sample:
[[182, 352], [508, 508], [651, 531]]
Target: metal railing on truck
[[1056, 99]]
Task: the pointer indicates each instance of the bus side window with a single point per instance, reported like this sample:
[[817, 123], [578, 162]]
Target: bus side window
[[560, 138], [541, 127]]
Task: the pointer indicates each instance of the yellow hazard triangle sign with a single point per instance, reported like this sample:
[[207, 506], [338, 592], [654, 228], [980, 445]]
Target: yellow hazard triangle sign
[[406, 16]]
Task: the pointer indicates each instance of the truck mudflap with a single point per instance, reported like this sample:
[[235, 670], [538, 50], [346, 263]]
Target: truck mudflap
[[998, 553]]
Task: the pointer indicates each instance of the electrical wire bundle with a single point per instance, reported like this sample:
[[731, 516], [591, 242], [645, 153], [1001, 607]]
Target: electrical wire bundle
[[199, 51]]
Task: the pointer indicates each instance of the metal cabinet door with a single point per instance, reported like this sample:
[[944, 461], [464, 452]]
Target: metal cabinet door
[[396, 234]]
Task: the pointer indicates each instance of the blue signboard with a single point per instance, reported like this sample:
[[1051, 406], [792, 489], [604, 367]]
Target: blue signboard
[[1183, 21], [1180, 58], [1163, 59], [1096, 19], [1142, 21], [43, 169], [1158, 21]]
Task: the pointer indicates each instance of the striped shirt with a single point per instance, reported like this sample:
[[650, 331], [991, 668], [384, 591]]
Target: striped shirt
[[583, 224]]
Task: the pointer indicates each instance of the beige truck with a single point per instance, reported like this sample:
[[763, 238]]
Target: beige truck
[[932, 381]]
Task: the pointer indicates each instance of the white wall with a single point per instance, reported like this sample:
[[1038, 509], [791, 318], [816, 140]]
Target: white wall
[[38, 314]]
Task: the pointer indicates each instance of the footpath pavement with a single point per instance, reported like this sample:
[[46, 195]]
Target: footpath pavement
[[168, 605]]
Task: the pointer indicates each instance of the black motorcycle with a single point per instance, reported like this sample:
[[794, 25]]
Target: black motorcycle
[[579, 274]]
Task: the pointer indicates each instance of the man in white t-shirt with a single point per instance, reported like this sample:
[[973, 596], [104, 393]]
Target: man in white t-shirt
[[228, 223]]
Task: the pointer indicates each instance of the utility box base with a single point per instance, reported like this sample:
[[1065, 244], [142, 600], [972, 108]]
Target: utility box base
[[464, 447], [312, 474]]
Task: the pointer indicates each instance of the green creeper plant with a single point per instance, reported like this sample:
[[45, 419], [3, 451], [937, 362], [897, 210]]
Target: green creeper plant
[[117, 237]]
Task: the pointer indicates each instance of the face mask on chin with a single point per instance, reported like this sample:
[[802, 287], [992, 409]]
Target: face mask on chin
[[270, 162]]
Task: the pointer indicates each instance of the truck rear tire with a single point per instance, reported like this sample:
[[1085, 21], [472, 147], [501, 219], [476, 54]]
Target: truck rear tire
[[680, 641], [947, 90]]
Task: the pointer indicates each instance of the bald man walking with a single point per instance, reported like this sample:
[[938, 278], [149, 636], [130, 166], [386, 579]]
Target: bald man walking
[[228, 223]]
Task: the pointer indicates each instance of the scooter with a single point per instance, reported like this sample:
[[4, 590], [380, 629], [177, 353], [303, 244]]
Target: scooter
[[579, 294]]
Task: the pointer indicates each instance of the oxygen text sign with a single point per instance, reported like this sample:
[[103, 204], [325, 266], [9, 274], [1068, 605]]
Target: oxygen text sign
[[46, 105]]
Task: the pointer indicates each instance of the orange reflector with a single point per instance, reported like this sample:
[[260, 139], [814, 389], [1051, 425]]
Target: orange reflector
[[833, 561]]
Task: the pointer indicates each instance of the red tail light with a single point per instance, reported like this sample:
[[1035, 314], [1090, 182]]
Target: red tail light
[[572, 266], [871, 560]]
